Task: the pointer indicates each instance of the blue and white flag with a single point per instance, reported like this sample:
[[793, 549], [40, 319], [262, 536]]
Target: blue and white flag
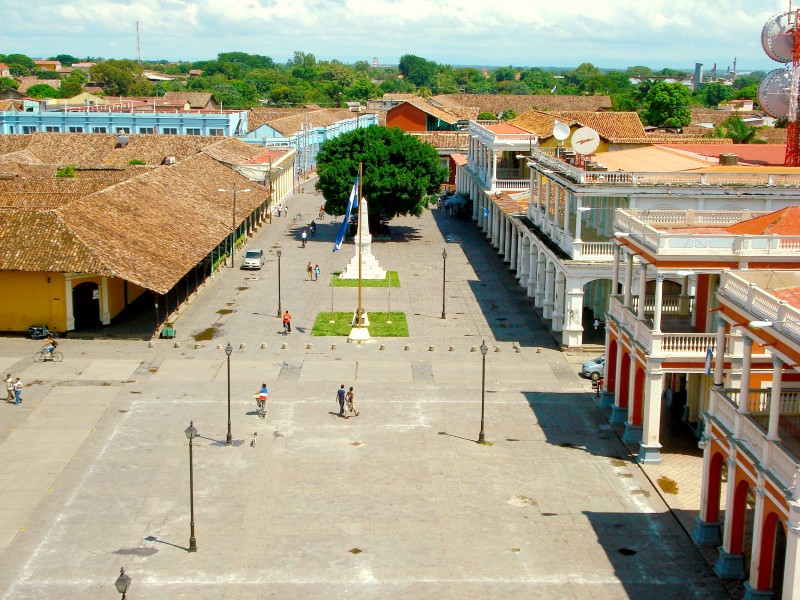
[[553, 91], [485, 212], [709, 356], [351, 203]]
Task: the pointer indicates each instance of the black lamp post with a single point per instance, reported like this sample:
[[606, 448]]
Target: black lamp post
[[279, 283], [228, 351], [444, 279], [191, 433], [122, 583], [484, 350]]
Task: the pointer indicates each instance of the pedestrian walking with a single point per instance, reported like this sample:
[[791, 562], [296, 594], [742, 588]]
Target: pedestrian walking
[[17, 391], [321, 211], [287, 323], [304, 237], [340, 398], [350, 406], [310, 271], [316, 272], [9, 388]]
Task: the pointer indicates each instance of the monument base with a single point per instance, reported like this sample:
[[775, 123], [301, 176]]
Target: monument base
[[364, 319], [359, 334]]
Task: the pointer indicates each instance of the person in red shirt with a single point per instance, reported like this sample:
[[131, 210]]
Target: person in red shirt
[[287, 323]]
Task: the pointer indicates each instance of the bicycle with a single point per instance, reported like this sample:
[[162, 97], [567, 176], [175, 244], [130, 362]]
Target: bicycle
[[262, 407], [39, 332], [45, 356]]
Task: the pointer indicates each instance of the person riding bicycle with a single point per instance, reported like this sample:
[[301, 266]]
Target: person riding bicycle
[[262, 397], [50, 346]]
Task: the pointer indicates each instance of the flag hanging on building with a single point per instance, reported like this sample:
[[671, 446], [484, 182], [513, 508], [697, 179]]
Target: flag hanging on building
[[352, 202], [709, 357], [485, 212]]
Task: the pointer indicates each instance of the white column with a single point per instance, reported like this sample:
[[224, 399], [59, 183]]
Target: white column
[[558, 303], [573, 314], [618, 375], [541, 268], [547, 188], [719, 360], [515, 243], [657, 313], [549, 289], [533, 259], [105, 316], [494, 170], [744, 393], [758, 536], [642, 290], [650, 448], [628, 279], [791, 570], [775, 399], [501, 231], [615, 270], [578, 221], [68, 300], [522, 259]]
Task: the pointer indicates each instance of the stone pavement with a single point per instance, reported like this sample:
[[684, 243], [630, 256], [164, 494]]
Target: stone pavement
[[398, 502]]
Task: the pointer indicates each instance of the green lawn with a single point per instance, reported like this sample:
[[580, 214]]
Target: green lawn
[[392, 280], [381, 324]]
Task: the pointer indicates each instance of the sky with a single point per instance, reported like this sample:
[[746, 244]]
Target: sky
[[606, 33]]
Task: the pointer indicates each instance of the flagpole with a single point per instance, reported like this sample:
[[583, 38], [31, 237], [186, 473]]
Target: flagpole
[[359, 311]]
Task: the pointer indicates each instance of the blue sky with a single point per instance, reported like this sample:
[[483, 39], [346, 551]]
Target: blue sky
[[607, 33]]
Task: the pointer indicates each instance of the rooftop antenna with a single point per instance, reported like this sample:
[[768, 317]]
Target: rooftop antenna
[[138, 47]]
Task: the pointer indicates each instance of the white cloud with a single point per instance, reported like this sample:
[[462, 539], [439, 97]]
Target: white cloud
[[612, 33]]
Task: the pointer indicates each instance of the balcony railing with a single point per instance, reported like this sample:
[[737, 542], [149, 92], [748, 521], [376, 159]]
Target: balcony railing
[[599, 251], [683, 345], [761, 305], [670, 305], [759, 399], [618, 178], [512, 184], [775, 458]]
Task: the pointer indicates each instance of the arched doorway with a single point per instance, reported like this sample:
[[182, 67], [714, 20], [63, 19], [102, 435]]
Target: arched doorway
[[772, 555], [86, 305], [714, 486]]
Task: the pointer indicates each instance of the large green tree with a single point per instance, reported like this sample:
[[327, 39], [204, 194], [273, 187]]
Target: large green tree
[[417, 70], [7, 83], [42, 90], [116, 77], [400, 172], [667, 105], [738, 131]]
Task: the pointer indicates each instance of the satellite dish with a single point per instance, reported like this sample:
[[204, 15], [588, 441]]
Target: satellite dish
[[777, 38], [773, 93], [585, 140], [561, 131]]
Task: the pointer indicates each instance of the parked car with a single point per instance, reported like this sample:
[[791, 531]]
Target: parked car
[[594, 368], [253, 259]]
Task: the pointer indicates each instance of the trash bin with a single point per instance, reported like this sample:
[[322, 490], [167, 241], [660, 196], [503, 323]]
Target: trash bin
[[168, 331]]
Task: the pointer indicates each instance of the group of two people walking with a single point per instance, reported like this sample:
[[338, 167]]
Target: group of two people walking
[[13, 390], [346, 400]]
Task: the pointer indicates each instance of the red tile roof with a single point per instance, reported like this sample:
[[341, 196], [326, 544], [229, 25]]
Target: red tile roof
[[782, 222], [459, 159]]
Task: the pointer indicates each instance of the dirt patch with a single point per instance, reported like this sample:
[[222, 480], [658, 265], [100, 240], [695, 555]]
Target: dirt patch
[[224, 311], [667, 485], [241, 289], [205, 335]]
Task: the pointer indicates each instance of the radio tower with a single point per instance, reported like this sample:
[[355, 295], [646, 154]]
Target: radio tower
[[793, 133]]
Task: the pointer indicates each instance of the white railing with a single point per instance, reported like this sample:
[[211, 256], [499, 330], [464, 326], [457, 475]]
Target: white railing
[[723, 410], [523, 141], [774, 458], [672, 305], [512, 184], [761, 305], [599, 251], [688, 343]]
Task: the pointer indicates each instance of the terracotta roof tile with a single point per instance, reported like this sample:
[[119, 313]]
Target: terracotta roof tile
[[443, 140], [259, 116], [495, 103], [292, 124], [195, 99]]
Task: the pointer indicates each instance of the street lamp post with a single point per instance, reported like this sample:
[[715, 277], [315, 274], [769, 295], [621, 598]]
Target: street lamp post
[[444, 279], [279, 283], [233, 219], [228, 351], [122, 583], [484, 350], [191, 433]]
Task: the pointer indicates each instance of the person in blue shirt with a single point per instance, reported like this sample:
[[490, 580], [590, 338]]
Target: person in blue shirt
[[262, 397], [340, 397]]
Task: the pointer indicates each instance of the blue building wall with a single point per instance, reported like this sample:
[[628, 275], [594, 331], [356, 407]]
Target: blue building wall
[[306, 143], [222, 124]]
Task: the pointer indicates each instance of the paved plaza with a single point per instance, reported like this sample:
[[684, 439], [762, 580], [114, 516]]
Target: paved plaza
[[399, 502]]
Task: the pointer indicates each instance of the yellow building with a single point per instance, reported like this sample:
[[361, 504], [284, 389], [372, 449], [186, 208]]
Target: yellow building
[[75, 252]]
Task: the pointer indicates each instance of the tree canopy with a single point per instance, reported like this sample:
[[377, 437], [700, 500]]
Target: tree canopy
[[667, 105], [400, 172]]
